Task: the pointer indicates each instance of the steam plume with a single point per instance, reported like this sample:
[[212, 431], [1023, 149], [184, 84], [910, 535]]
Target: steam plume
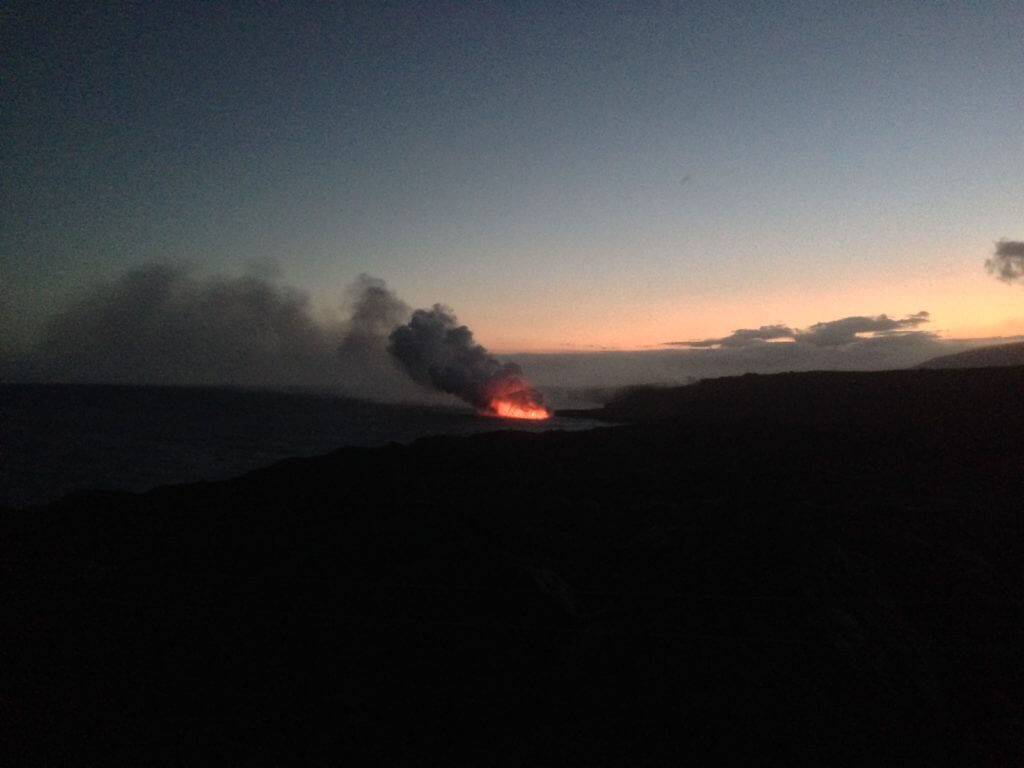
[[438, 352], [161, 323], [376, 311]]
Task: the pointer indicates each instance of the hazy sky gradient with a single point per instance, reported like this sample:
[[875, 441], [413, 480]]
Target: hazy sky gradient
[[562, 174]]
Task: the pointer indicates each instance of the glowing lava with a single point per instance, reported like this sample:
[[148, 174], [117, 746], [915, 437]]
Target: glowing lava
[[507, 409], [512, 397]]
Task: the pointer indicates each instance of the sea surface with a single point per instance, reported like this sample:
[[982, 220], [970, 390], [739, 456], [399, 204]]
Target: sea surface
[[55, 439]]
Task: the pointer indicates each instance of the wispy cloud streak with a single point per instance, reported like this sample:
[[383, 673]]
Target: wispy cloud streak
[[832, 333]]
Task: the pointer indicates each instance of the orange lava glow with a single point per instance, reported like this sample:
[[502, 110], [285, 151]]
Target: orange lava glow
[[506, 409]]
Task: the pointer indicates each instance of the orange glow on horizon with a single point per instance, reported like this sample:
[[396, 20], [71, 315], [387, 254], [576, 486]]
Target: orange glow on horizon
[[506, 409], [967, 305]]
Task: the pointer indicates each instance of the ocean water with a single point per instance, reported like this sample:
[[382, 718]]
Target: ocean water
[[55, 439]]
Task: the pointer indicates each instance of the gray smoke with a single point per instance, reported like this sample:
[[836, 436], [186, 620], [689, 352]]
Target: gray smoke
[[1007, 262], [369, 370], [437, 352], [376, 311], [162, 324], [168, 324]]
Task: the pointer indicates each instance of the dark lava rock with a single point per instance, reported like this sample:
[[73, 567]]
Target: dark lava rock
[[750, 575]]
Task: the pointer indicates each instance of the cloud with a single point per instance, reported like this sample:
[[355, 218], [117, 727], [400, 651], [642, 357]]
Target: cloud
[[673, 365], [833, 333], [1007, 262], [741, 338], [836, 333]]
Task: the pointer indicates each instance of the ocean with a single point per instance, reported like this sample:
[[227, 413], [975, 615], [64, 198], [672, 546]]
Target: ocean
[[59, 438]]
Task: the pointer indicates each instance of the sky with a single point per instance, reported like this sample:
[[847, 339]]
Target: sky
[[566, 176]]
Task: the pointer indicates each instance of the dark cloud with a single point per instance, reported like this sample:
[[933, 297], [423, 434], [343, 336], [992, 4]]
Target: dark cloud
[[833, 333], [1007, 262], [836, 333], [741, 337], [437, 352]]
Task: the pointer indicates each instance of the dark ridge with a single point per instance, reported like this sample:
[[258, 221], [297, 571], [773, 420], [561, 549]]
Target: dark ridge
[[772, 570], [827, 397], [985, 357]]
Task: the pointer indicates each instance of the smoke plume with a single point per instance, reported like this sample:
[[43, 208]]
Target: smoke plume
[[166, 324], [376, 311], [369, 369], [437, 352], [163, 324]]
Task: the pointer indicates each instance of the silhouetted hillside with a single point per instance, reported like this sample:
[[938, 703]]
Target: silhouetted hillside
[[831, 397], [785, 569], [985, 357]]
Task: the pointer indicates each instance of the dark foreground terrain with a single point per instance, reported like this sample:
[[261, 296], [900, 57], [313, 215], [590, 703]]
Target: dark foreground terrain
[[823, 568]]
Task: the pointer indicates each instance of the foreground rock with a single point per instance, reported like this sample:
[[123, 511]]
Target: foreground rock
[[723, 582]]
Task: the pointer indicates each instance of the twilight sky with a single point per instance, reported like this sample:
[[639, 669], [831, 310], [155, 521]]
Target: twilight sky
[[567, 176]]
